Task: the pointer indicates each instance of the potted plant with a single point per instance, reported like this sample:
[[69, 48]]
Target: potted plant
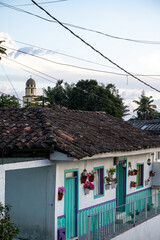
[[112, 171], [87, 187], [152, 173], [147, 181], [91, 176], [84, 176], [108, 182], [114, 182], [135, 171], [133, 184], [130, 172], [61, 191]]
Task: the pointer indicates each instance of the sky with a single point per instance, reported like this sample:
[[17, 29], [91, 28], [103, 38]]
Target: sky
[[56, 47]]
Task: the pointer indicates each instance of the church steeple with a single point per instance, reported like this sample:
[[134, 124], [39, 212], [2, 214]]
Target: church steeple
[[30, 89], [30, 92]]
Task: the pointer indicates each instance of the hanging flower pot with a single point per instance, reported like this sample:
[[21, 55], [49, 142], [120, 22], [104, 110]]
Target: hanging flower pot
[[91, 178], [133, 184], [86, 191], [135, 171], [60, 196], [61, 191], [83, 179], [87, 187], [152, 173]]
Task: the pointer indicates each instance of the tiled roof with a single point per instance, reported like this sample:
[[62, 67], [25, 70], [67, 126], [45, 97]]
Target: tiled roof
[[150, 125], [76, 133]]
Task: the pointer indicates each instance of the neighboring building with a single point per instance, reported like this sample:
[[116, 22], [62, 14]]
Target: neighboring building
[[43, 149], [152, 126], [30, 92]]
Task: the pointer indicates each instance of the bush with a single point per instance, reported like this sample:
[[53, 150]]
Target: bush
[[8, 230]]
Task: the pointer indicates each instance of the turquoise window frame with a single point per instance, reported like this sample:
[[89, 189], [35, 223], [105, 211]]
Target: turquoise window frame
[[100, 195], [72, 170], [138, 187]]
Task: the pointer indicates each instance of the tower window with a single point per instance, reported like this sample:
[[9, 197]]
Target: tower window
[[31, 90]]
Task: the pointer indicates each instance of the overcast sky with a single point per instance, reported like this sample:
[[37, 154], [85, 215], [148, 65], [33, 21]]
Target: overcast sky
[[128, 19]]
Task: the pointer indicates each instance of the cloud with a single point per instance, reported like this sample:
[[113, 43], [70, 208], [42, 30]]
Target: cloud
[[151, 62]]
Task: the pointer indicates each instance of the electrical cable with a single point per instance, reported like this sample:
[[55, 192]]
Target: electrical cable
[[63, 54], [9, 80], [83, 28], [94, 49], [84, 91], [41, 3], [31, 68], [88, 69], [68, 65]]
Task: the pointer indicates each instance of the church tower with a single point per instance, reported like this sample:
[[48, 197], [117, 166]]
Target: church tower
[[30, 92]]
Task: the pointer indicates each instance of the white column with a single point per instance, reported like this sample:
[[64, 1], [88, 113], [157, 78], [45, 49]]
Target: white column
[[2, 185]]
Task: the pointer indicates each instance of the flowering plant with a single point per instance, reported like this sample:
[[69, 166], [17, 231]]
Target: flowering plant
[[108, 180], [89, 185], [62, 190], [91, 173], [133, 182], [148, 179], [114, 180]]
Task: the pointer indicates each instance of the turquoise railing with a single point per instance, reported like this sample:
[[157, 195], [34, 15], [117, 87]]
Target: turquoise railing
[[109, 222]]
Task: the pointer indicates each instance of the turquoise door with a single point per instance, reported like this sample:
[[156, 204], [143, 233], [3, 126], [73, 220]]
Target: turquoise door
[[121, 189], [71, 206]]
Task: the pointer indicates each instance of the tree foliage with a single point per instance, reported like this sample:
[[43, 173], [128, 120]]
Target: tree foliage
[[87, 95], [146, 108], [8, 230], [7, 101], [2, 49]]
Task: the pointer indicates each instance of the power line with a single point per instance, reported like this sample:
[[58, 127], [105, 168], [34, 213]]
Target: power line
[[41, 3], [68, 65], [83, 28], [84, 68], [9, 80], [46, 49], [63, 54], [82, 90], [32, 69], [94, 49]]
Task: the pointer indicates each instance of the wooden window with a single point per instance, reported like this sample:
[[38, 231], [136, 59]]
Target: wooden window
[[140, 168], [99, 182]]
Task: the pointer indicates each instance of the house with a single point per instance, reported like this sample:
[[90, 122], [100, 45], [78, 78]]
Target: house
[[43, 149]]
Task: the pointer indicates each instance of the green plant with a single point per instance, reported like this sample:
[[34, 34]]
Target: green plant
[[130, 165], [112, 170], [8, 230]]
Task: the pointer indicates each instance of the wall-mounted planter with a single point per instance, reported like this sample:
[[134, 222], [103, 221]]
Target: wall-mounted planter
[[133, 184], [113, 185], [146, 183], [107, 186], [60, 196], [86, 191], [152, 174]]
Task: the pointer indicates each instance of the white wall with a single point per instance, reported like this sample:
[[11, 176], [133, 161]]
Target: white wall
[[148, 230], [88, 200]]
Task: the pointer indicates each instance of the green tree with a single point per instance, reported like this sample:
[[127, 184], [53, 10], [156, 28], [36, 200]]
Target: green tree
[[8, 230], [7, 101], [2, 49], [146, 108], [88, 95]]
